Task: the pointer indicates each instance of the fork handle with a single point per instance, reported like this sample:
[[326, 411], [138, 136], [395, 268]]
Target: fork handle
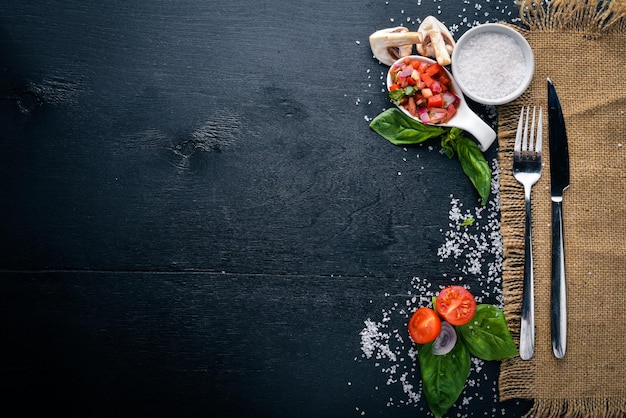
[[557, 288], [527, 329]]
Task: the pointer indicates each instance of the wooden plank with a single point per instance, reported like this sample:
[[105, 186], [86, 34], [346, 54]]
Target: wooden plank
[[172, 344], [198, 137], [196, 219]]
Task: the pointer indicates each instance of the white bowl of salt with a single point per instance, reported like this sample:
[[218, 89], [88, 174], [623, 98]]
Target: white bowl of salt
[[492, 64]]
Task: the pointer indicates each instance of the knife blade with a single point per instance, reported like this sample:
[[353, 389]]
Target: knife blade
[[559, 181]]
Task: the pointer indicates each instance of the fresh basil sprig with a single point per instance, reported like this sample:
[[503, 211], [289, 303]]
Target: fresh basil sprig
[[485, 336], [399, 129]]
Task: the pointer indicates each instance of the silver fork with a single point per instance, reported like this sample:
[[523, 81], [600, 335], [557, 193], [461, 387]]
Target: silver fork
[[527, 170]]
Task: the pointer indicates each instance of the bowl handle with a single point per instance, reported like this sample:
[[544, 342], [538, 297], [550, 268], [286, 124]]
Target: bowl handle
[[470, 122]]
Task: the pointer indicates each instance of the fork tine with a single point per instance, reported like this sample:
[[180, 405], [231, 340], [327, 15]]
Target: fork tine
[[525, 137], [531, 140], [518, 135], [539, 132]]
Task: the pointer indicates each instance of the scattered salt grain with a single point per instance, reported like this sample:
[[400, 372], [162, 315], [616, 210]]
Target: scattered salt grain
[[474, 250], [477, 249]]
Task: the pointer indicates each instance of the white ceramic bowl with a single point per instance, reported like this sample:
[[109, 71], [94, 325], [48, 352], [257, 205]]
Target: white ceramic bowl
[[487, 67], [464, 119]]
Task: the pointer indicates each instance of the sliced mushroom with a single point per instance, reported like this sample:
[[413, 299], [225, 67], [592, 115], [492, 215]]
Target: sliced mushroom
[[437, 41], [389, 45]]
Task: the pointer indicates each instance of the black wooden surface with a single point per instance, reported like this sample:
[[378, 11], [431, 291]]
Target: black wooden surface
[[196, 219]]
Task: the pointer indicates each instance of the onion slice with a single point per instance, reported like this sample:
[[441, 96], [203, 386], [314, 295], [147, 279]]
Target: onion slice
[[445, 341], [449, 98], [423, 114], [406, 72]]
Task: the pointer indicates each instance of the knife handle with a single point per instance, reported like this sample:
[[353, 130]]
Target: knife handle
[[557, 288]]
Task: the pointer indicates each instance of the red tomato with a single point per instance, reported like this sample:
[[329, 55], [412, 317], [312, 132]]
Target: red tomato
[[444, 79], [428, 80], [424, 326], [433, 70], [456, 305], [435, 101]]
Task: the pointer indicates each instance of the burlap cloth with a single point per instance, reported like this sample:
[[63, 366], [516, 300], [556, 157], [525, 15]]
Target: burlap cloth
[[581, 46]]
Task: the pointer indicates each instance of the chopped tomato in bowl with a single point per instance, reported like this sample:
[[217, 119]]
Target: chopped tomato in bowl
[[424, 89], [447, 104]]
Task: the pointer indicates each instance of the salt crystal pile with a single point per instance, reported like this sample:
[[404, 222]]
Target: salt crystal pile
[[490, 65]]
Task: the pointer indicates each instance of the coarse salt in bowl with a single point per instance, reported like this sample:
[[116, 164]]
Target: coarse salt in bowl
[[493, 64]]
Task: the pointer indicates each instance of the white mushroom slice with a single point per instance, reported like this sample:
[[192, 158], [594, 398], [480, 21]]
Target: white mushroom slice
[[389, 45], [437, 41]]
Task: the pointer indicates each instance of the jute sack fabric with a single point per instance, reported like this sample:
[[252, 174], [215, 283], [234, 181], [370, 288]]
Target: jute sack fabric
[[581, 46]]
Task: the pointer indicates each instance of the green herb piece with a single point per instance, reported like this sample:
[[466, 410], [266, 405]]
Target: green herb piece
[[399, 129], [487, 335], [468, 221], [443, 376], [398, 95]]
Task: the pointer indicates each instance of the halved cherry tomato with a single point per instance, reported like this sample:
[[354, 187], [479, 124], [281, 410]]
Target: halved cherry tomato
[[456, 305], [424, 326]]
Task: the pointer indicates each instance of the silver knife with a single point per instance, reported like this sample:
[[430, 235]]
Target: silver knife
[[559, 179]]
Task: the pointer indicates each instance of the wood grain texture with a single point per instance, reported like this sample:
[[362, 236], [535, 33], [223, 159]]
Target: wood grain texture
[[182, 344], [194, 213], [200, 137]]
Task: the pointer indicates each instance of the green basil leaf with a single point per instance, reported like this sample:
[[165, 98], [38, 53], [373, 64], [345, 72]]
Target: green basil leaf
[[447, 143], [443, 377], [474, 166], [399, 129], [487, 335], [447, 149]]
